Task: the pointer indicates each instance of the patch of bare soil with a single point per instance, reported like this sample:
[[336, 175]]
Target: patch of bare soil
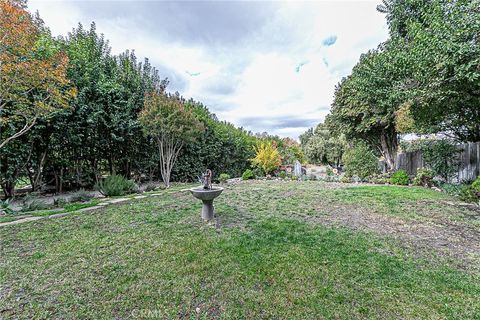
[[454, 240]]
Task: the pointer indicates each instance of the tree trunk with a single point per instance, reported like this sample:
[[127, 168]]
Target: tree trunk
[[169, 150], [389, 146], [36, 176], [8, 189]]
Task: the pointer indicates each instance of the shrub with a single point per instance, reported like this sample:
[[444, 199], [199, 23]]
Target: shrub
[[424, 178], [332, 179], [360, 161], [476, 184], [329, 171], [400, 177], [451, 189], [439, 155], [59, 202], [34, 204], [6, 207], [294, 178], [468, 194], [345, 179], [150, 186], [267, 157], [442, 157], [258, 173], [81, 196], [248, 174], [381, 178], [116, 185], [224, 177], [282, 175]]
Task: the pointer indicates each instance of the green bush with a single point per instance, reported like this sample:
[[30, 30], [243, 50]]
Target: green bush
[[360, 161], [32, 203], [451, 189], [81, 196], [345, 179], [476, 185], [439, 155], [282, 175], [224, 177], [116, 185], [400, 177], [6, 207], [248, 174], [329, 171], [258, 173], [150, 186], [468, 194], [424, 178], [381, 178], [294, 178]]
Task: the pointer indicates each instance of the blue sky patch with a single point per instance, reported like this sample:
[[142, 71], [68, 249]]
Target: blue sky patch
[[330, 41]]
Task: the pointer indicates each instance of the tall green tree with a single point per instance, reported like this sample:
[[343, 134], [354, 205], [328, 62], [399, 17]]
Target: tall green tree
[[366, 101], [325, 148], [172, 124]]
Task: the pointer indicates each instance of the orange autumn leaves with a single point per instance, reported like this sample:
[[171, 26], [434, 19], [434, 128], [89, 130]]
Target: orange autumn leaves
[[33, 79]]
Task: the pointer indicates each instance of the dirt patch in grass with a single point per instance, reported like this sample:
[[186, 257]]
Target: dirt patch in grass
[[457, 241], [429, 223]]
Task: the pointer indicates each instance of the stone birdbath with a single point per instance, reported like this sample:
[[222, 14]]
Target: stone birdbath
[[207, 193]]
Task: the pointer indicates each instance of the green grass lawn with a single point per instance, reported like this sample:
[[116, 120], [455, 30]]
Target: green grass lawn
[[272, 253]]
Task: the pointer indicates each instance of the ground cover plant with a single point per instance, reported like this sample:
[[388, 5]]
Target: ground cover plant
[[278, 249]]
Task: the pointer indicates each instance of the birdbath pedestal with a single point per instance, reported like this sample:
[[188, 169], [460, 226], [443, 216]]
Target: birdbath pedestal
[[207, 196]]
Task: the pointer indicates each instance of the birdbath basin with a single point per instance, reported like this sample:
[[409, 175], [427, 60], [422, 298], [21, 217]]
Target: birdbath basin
[[207, 196]]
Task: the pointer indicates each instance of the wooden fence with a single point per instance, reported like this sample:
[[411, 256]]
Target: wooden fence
[[469, 161]]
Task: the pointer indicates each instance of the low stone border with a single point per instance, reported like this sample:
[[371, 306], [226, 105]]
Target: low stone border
[[104, 203]]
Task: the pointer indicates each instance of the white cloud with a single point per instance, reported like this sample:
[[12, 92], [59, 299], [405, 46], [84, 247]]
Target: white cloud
[[256, 76]]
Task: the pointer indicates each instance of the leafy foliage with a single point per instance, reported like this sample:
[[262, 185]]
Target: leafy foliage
[[290, 151], [248, 174], [267, 157], [116, 185], [476, 184], [223, 177], [6, 206], [221, 147], [81, 196], [33, 81], [360, 161], [322, 147], [424, 178], [468, 194], [442, 157], [400, 177], [172, 124]]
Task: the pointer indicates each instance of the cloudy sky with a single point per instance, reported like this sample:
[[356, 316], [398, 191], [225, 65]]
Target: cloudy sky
[[266, 66]]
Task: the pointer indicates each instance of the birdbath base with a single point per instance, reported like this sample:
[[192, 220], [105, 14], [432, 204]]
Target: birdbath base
[[207, 196], [208, 212]]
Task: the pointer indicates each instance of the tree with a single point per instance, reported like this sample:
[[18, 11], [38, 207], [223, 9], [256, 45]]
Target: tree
[[33, 80], [222, 147], [447, 69], [360, 161], [440, 46], [366, 101], [267, 157], [172, 124], [325, 148], [290, 151]]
